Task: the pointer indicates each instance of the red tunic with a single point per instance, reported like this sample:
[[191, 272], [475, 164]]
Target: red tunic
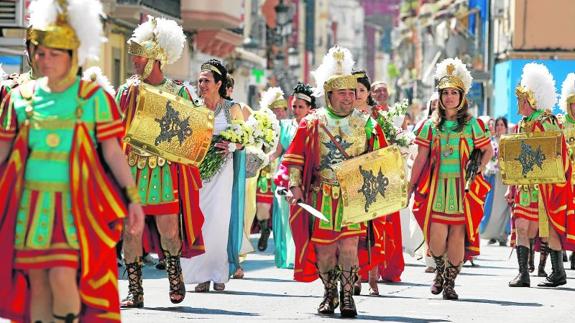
[[304, 153]]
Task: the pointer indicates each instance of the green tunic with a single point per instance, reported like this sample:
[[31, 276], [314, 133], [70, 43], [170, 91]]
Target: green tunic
[[448, 199], [47, 171]]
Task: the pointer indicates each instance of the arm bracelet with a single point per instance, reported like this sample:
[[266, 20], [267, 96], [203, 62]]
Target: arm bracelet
[[132, 195]]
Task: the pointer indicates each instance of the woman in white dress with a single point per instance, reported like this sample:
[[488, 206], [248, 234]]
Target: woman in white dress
[[215, 195]]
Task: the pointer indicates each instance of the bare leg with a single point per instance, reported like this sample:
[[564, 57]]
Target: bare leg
[[326, 257], [132, 245], [40, 296], [524, 231], [326, 261], [456, 244], [65, 291], [169, 228], [348, 262], [438, 239]]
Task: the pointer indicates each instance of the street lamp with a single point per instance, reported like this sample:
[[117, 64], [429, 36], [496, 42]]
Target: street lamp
[[282, 14]]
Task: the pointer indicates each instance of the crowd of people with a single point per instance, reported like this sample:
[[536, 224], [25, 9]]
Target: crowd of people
[[74, 181]]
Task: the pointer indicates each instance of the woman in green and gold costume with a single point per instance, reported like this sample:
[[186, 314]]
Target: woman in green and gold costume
[[448, 214], [61, 214], [303, 103]]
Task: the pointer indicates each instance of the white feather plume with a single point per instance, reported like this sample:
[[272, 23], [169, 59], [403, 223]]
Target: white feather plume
[[537, 78], [460, 71], [269, 96], [43, 13], [169, 35], [84, 16], [567, 90], [330, 66], [95, 74]]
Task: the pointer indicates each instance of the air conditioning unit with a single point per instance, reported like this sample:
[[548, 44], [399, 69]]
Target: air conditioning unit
[[12, 13]]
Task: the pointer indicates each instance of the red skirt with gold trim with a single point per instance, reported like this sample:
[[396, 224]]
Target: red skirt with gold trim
[[45, 232]]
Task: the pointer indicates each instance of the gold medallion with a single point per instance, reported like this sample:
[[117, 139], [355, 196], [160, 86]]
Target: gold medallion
[[52, 140]]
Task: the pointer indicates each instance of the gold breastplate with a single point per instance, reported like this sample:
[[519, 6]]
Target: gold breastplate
[[349, 133]]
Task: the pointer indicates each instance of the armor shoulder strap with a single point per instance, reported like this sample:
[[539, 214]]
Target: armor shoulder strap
[[87, 89]]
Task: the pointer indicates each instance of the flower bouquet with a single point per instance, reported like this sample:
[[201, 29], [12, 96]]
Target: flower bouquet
[[266, 137], [391, 121], [238, 132]]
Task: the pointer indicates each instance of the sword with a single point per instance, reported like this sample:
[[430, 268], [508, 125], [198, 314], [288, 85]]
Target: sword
[[300, 203]]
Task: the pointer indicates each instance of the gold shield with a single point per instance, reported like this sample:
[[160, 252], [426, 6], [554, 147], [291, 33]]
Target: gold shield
[[372, 185], [170, 127], [531, 158]]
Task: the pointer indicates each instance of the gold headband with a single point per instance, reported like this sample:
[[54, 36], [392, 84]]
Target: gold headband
[[340, 82], [303, 97], [210, 67], [279, 103], [524, 93]]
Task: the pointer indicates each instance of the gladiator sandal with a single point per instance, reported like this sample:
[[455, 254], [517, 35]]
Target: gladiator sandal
[[558, 276], [531, 255], [437, 286], [264, 236], [135, 298], [174, 270], [522, 279], [347, 279], [330, 301], [68, 318], [357, 287], [449, 275], [543, 253]]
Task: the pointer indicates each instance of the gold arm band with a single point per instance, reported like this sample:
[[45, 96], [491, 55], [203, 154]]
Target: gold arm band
[[132, 194], [295, 177]]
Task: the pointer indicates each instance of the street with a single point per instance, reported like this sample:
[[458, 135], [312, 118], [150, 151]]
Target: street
[[269, 294]]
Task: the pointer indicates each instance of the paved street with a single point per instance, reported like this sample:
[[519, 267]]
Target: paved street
[[268, 294]]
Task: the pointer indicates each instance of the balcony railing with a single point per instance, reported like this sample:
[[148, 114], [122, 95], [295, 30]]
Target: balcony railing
[[168, 7]]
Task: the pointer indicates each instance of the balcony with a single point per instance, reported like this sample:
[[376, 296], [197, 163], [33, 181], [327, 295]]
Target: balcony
[[132, 10], [219, 43], [211, 14]]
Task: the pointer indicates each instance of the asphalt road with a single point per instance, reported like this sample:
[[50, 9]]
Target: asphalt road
[[269, 294]]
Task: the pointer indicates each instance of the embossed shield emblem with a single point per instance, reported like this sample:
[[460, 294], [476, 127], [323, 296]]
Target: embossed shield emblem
[[531, 158], [372, 185], [170, 127]]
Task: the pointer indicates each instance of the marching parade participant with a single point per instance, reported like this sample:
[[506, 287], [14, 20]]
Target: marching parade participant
[[220, 194], [61, 212], [303, 103], [446, 212], [540, 209], [169, 190], [567, 104], [324, 138], [274, 100], [9, 82]]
